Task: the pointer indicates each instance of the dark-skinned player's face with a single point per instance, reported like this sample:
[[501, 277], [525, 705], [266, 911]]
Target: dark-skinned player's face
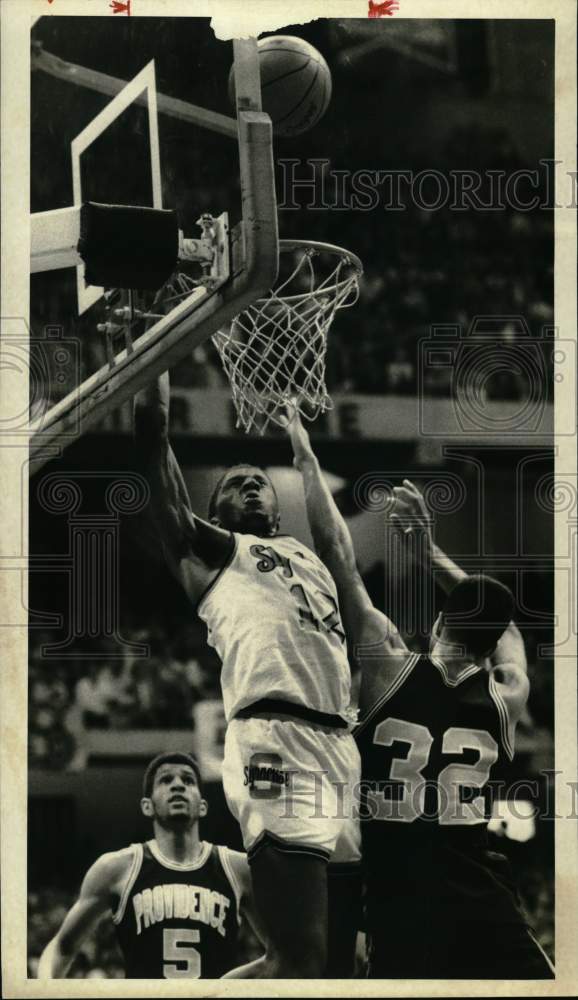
[[176, 799], [247, 502]]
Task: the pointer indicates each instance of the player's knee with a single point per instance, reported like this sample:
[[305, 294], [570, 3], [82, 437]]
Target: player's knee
[[301, 955], [310, 963]]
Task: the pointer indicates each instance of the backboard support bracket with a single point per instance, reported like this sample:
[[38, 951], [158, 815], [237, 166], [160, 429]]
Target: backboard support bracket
[[253, 272]]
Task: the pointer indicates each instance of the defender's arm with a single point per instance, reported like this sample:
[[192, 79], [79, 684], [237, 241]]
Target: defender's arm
[[96, 898], [510, 650], [509, 668]]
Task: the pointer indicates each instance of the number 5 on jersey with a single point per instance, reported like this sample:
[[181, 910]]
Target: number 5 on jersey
[[180, 959]]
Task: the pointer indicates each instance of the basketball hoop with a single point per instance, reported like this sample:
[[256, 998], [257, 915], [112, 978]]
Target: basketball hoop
[[274, 352]]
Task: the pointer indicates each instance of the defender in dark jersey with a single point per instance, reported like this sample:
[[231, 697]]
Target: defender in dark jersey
[[434, 730], [176, 901], [439, 903]]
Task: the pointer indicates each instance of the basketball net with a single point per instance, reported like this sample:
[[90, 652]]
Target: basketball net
[[274, 352]]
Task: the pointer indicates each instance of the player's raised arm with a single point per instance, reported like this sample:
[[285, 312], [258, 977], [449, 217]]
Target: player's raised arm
[[510, 649], [364, 624], [329, 530], [97, 898], [181, 533]]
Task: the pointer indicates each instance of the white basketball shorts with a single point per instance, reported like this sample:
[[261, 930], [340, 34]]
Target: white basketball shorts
[[295, 785]]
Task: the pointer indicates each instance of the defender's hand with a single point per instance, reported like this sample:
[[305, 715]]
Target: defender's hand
[[410, 514]]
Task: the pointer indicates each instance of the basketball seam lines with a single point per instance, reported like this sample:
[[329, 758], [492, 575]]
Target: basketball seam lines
[[299, 103], [297, 52], [285, 75], [322, 101]]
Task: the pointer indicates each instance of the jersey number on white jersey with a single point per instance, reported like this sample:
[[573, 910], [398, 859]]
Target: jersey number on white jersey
[[312, 614]]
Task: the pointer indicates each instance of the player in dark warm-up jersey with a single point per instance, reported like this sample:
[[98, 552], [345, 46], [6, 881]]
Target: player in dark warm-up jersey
[[176, 901], [433, 731]]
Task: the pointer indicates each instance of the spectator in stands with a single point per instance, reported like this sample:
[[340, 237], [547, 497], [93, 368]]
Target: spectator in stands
[[400, 373], [94, 694]]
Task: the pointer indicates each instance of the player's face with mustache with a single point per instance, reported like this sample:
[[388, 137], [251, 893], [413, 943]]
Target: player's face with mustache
[[176, 796], [248, 502]]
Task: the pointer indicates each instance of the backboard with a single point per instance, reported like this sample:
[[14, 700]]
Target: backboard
[[128, 142]]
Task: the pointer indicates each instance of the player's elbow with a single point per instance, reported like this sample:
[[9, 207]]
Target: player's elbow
[[65, 945], [52, 963], [514, 631]]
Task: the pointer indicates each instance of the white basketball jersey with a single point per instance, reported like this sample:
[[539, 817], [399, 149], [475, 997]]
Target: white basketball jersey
[[273, 618]]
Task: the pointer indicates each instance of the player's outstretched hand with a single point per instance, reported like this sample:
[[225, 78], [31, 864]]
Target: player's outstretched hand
[[410, 514], [298, 435]]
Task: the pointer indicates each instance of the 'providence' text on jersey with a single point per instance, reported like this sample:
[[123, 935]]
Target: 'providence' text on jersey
[[176, 920]]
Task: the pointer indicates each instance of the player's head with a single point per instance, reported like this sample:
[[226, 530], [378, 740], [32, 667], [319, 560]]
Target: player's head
[[172, 794], [475, 614], [245, 500]]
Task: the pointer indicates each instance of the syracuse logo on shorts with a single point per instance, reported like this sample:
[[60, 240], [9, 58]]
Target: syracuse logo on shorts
[[265, 776]]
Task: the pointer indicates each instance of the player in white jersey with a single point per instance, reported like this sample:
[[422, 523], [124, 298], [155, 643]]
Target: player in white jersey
[[291, 764], [301, 627]]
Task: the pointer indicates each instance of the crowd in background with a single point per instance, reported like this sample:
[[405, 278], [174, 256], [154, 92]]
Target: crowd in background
[[421, 268], [118, 691], [424, 268], [99, 957], [428, 268], [70, 699]]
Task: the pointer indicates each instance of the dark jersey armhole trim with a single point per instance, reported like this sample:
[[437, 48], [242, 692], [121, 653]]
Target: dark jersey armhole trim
[[230, 874], [507, 728], [220, 572], [388, 693], [131, 879]]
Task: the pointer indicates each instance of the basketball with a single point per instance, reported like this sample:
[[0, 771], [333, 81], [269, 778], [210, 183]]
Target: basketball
[[295, 83]]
